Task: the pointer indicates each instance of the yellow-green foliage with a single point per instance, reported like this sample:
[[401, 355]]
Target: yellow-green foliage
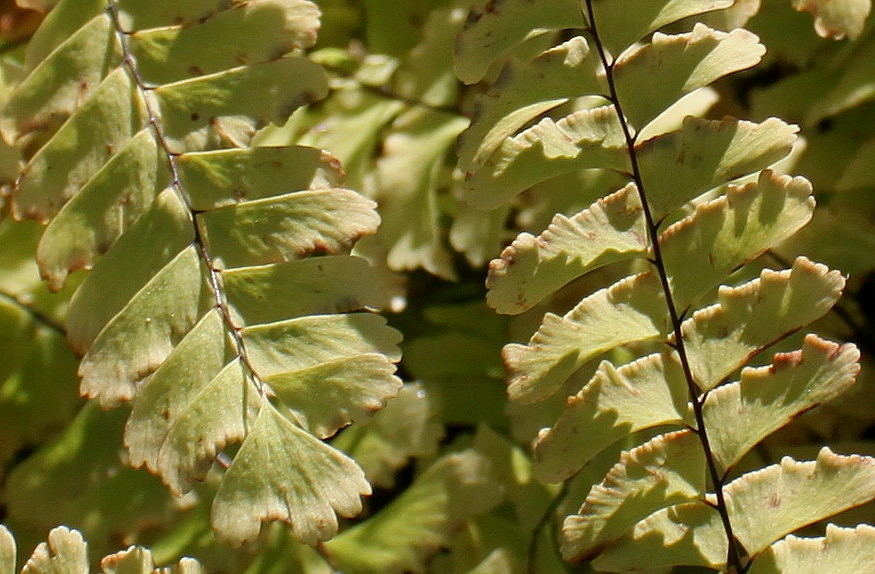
[[226, 223]]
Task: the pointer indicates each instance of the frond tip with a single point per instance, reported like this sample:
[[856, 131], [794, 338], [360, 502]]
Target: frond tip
[[286, 474]]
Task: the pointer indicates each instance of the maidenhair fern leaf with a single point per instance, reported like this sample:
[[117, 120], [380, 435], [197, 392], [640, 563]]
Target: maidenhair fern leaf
[[767, 398], [288, 226], [218, 178], [523, 92], [223, 301], [256, 487], [629, 311], [781, 498], [671, 66], [263, 30], [679, 166], [532, 267], [284, 346], [7, 551], [841, 550], [776, 500], [733, 229], [587, 139], [615, 403], [328, 284], [752, 316], [494, 27], [138, 560], [836, 19], [65, 552], [103, 209], [688, 534], [657, 474], [224, 109], [138, 339], [324, 398]]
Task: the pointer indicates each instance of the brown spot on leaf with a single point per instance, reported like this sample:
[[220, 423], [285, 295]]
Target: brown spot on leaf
[[775, 500]]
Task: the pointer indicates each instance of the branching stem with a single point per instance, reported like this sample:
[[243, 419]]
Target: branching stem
[[214, 275], [733, 559]]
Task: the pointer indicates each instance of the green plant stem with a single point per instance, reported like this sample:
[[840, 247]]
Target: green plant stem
[[733, 559], [214, 277]]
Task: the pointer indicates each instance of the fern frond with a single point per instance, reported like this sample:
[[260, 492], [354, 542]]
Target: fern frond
[[139, 158], [700, 203], [803, 379], [776, 500]]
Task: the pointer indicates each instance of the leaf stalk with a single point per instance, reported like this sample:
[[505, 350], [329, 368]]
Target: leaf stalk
[[733, 559], [214, 275]]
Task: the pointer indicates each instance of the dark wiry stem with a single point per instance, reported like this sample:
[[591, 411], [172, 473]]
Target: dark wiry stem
[[546, 518], [733, 559], [214, 276], [38, 316]]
